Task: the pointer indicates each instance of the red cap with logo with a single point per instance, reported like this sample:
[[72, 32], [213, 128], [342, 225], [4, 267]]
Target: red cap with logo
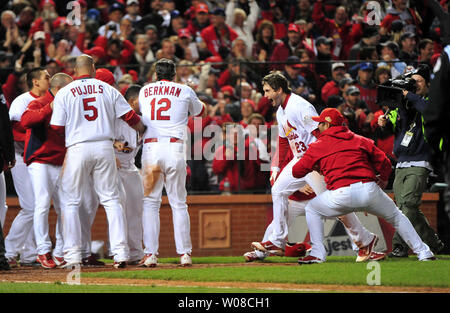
[[201, 7], [330, 115], [184, 33]]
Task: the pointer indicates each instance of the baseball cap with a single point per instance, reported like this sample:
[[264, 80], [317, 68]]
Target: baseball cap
[[105, 75], [39, 35], [175, 14], [323, 40], [337, 65], [346, 81], [366, 66], [219, 11], [293, 28], [293, 61], [201, 7], [353, 90], [407, 35], [44, 2], [397, 26], [184, 33], [116, 6], [60, 20], [130, 2], [330, 115], [391, 45]]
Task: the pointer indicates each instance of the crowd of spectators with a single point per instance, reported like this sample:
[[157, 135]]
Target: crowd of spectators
[[333, 52]]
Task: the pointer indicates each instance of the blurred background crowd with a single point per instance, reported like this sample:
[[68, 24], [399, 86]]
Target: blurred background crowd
[[333, 52]]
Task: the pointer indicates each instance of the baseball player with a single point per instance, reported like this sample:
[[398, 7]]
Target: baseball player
[[44, 156], [87, 109], [165, 106], [296, 131], [354, 169], [21, 232], [130, 178]]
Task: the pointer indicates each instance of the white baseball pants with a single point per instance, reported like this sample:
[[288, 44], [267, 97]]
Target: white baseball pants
[[88, 210], [20, 238], [3, 206], [92, 163], [46, 186], [133, 201], [360, 197], [284, 186], [170, 158]]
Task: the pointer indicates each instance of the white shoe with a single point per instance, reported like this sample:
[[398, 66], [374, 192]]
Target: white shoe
[[186, 260], [149, 260]]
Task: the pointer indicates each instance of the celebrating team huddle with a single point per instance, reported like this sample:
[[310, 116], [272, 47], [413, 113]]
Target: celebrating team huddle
[[76, 142]]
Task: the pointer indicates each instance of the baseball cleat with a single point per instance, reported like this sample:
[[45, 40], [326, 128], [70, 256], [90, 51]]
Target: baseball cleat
[[121, 264], [4, 265], [309, 260], [268, 247], [59, 261], [364, 253], [91, 261], [295, 249], [46, 260], [399, 252], [149, 260], [186, 260], [252, 256], [431, 258], [377, 256], [13, 263]]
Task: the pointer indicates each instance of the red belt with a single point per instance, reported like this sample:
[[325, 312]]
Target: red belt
[[172, 139]]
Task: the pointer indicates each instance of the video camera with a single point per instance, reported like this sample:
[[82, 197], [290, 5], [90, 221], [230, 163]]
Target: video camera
[[390, 93]]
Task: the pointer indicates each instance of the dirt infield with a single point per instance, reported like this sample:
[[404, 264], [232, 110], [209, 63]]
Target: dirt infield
[[40, 275]]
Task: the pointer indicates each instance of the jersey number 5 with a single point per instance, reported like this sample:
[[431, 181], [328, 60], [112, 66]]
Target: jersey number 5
[[92, 108], [165, 105]]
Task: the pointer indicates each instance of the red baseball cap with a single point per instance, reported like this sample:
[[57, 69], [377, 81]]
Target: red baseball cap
[[184, 32], [293, 28], [201, 7], [105, 75], [330, 115]]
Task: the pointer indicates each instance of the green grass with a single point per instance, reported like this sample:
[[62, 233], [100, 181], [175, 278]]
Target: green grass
[[337, 270], [64, 288]]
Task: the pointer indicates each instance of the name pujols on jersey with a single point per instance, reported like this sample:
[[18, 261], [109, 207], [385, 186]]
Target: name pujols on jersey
[[86, 90]]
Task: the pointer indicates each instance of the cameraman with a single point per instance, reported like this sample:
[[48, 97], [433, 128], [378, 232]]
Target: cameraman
[[413, 166]]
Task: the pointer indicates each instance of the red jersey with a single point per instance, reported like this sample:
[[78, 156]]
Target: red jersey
[[214, 42], [344, 158], [42, 143]]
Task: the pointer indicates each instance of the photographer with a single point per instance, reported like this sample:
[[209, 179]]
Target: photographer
[[413, 166]]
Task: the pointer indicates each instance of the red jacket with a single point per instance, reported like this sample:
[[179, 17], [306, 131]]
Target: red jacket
[[209, 35], [329, 89], [42, 143], [344, 158]]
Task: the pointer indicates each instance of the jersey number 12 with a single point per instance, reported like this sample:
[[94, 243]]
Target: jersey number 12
[[165, 105]]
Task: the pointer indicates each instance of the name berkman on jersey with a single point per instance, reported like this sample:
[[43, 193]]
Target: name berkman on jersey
[[162, 90], [88, 89]]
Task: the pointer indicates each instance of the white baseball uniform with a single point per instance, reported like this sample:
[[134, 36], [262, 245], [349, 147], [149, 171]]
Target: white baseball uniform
[[88, 108], [295, 124], [133, 191], [165, 107], [3, 206], [20, 238]]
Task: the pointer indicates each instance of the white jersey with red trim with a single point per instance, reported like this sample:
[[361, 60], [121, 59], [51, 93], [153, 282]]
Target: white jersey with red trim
[[88, 108], [19, 105], [295, 123], [124, 133], [165, 107]]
